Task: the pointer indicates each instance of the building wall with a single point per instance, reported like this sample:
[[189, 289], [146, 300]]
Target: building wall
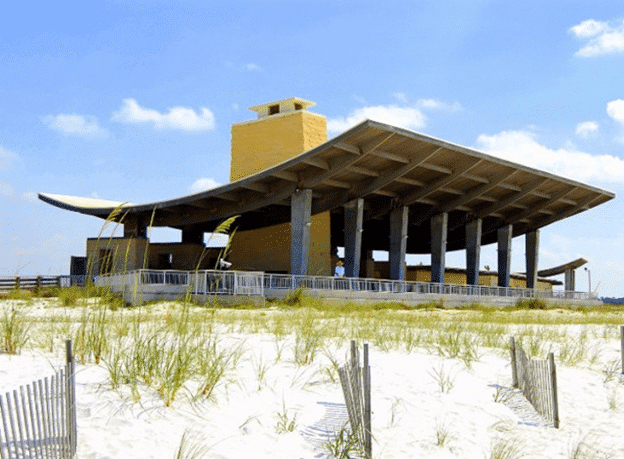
[[117, 255], [256, 146], [423, 274]]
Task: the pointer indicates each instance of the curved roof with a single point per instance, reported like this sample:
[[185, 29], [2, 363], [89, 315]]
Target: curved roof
[[388, 167], [562, 268]]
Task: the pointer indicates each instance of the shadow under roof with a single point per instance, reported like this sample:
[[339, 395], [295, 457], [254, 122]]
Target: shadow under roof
[[388, 167]]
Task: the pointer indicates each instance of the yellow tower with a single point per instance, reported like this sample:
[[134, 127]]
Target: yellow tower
[[282, 130]]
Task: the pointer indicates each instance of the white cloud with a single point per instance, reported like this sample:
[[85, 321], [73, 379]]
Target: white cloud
[[6, 189], [586, 129], [7, 158], [409, 116], [406, 117], [176, 118], [523, 147], [74, 124], [203, 184], [615, 109], [253, 67], [602, 38]]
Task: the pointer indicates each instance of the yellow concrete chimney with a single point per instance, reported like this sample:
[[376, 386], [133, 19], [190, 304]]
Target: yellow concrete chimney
[[283, 129]]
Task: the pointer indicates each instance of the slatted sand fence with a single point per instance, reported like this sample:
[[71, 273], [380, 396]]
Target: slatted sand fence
[[537, 380], [39, 420], [356, 387]]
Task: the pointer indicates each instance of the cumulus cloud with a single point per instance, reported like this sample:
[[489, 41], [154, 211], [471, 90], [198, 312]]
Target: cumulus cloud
[[7, 158], [183, 118], [523, 147], [409, 116], [615, 109], [74, 124], [586, 129], [602, 38], [203, 184]]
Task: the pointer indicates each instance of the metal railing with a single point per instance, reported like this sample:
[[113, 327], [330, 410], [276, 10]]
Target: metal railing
[[215, 282], [292, 282]]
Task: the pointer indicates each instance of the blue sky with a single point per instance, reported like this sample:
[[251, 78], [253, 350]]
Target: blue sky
[[133, 101]]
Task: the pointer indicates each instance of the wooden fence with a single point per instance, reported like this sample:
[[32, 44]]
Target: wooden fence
[[8, 283], [537, 379], [39, 421], [356, 387]]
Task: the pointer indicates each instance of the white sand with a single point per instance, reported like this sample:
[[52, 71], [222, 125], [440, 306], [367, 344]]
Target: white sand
[[408, 406]]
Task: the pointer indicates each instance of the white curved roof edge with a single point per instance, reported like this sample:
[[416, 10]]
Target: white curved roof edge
[[82, 202]]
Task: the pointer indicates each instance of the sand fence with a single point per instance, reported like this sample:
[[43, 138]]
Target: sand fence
[[39, 420], [356, 387], [537, 380]]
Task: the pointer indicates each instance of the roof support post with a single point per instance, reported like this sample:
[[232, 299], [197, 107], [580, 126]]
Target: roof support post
[[532, 252], [504, 254], [439, 228], [192, 235], [353, 219], [398, 242], [134, 227], [473, 251], [570, 279], [300, 222]]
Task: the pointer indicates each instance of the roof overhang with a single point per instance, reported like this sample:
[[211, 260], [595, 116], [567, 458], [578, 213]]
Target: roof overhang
[[388, 167]]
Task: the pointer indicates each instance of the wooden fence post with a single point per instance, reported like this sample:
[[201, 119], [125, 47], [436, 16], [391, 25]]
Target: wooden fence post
[[622, 346], [368, 444], [17, 283], [514, 368], [553, 382], [71, 397]]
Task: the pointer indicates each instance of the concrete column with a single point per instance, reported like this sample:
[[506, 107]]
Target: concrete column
[[192, 235], [398, 242], [300, 221], [504, 255], [134, 227], [473, 251], [368, 264], [353, 220], [532, 251], [570, 280], [439, 228]]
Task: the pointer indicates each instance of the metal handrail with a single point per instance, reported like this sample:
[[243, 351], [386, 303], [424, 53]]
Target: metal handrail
[[255, 283]]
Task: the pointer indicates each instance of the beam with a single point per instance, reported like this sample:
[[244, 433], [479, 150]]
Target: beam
[[504, 254], [353, 220], [439, 227], [414, 197], [532, 257], [398, 242], [300, 222], [473, 251], [474, 193]]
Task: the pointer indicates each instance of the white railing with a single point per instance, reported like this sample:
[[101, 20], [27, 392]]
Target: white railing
[[290, 282], [214, 282]]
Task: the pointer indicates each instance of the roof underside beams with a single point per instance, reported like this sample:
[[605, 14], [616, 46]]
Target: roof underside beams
[[388, 167]]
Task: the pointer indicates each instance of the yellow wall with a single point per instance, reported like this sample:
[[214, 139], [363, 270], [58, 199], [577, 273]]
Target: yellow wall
[[126, 254], [256, 146]]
